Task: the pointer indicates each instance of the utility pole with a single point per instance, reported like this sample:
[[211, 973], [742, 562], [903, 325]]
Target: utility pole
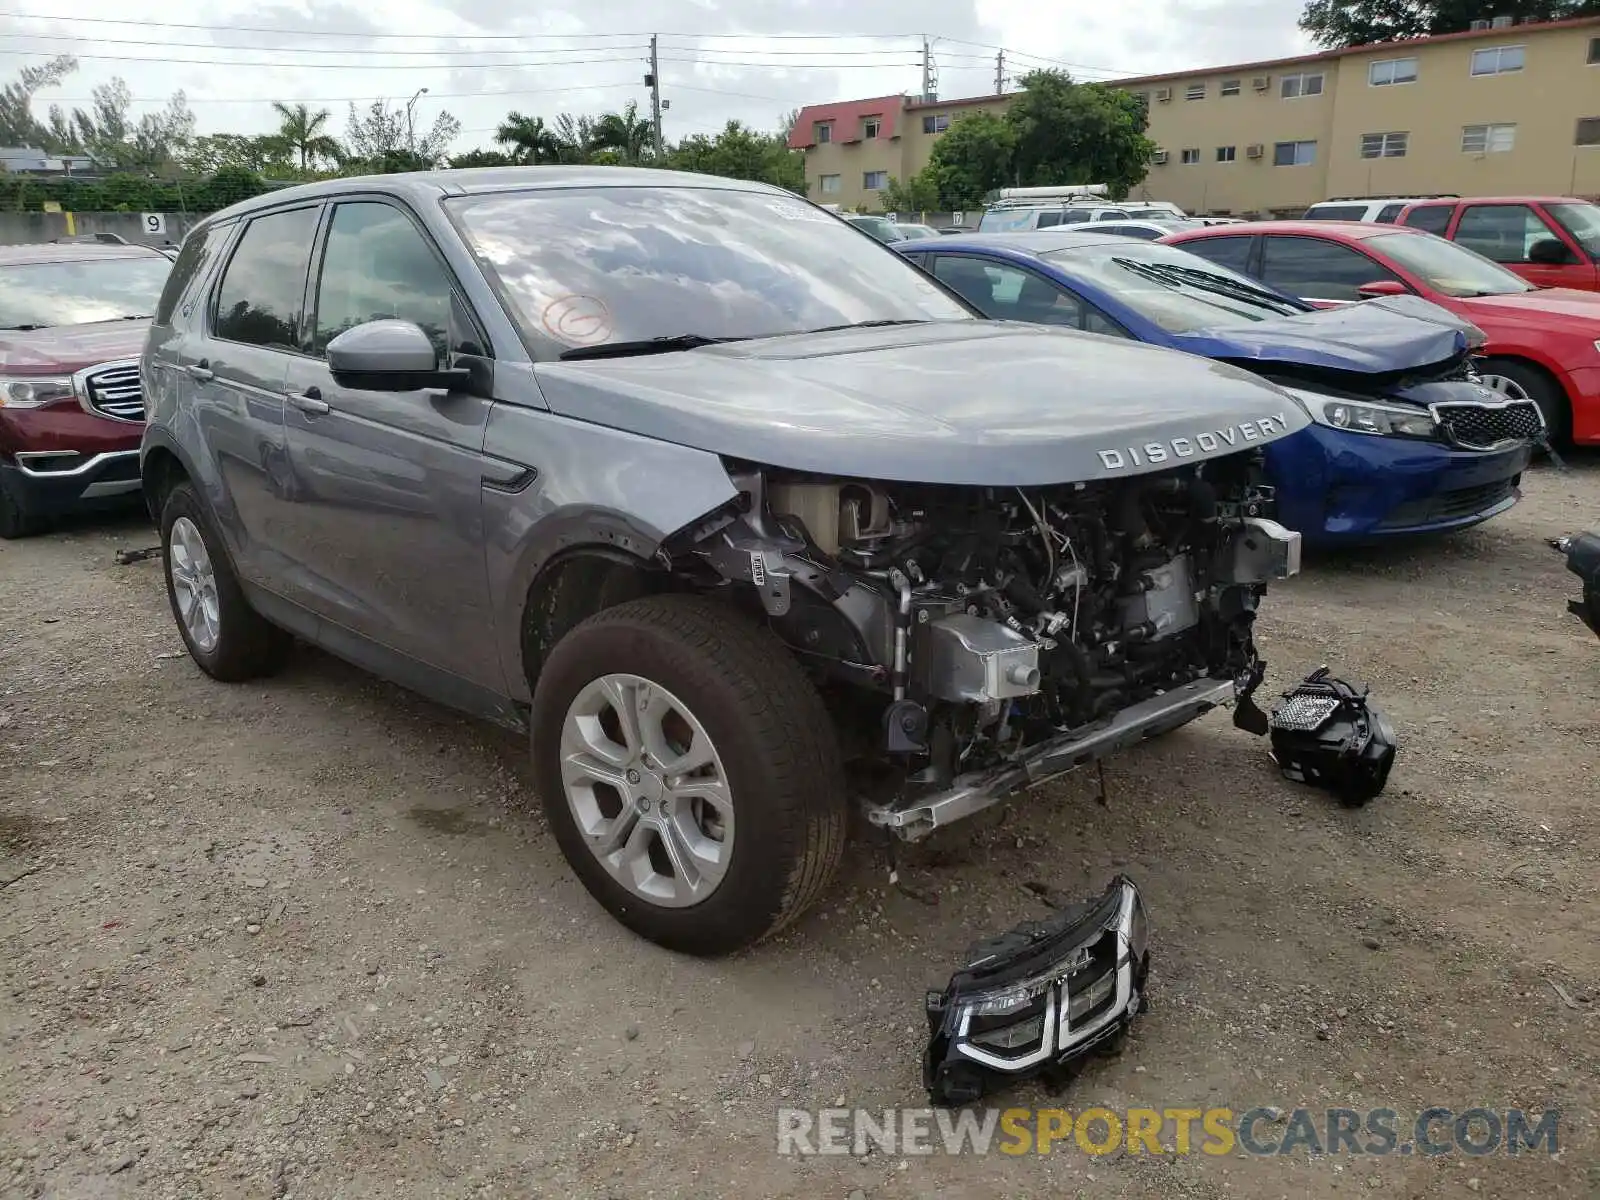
[[1000, 73], [927, 68], [654, 80]]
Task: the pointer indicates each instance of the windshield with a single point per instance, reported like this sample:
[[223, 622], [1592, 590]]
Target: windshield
[[1448, 267], [38, 295], [1582, 221], [1179, 291], [586, 266]]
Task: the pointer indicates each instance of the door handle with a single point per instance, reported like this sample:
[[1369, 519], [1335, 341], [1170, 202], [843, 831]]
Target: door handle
[[309, 401], [200, 370]]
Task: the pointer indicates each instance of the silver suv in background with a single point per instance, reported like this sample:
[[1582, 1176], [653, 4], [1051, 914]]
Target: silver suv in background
[[587, 452], [1382, 210]]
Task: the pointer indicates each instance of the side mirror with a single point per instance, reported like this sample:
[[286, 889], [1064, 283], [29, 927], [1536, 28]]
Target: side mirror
[[1550, 252], [389, 356], [1382, 287]]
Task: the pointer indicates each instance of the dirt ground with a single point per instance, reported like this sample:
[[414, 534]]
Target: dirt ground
[[310, 937]]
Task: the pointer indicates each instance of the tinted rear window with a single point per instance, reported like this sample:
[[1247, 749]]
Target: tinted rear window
[[1230, 252], [189, 266], [1435, 218], [263, 290], [1336, 212]]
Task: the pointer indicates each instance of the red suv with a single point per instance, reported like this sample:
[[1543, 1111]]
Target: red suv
[[1551, 241], [73, 318]]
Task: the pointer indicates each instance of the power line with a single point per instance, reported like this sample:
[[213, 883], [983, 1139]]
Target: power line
[[339, 66]]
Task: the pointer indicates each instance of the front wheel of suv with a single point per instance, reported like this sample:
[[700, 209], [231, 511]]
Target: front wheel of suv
[[689, 772], [227, 638]]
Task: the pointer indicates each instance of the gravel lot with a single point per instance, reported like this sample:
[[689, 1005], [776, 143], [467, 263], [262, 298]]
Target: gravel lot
[[311, 938]]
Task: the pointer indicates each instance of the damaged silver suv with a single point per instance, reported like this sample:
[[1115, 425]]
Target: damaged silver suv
[[711, 494]]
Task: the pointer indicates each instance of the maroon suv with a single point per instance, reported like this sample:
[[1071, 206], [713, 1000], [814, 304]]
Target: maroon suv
[[72, 323]]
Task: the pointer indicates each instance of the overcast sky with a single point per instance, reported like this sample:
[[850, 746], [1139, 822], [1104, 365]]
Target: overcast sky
[[750, 59]]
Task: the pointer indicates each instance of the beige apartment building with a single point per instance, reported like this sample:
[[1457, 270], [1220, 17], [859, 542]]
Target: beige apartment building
[[1497, 110]]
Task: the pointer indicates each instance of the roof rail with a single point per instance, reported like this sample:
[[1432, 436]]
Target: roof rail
[[83, 239], [1416, 196]]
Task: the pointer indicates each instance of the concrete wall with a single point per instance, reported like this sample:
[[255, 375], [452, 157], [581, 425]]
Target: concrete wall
[[23, 228]]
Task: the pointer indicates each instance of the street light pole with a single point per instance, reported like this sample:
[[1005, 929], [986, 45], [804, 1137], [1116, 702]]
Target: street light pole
[[411, 129]]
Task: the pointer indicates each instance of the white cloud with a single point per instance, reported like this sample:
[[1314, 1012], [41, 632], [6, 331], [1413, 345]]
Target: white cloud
[[480, 60]]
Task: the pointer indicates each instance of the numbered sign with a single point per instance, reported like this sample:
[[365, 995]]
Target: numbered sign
[[892, 216], [959, 218], [154, 224]]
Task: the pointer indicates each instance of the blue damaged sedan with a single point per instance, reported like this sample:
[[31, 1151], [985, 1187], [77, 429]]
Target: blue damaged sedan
[[1403, 440]]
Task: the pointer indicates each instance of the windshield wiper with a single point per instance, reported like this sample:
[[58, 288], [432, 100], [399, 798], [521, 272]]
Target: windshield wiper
[[655, 345], [1169, 273], [865, 325]]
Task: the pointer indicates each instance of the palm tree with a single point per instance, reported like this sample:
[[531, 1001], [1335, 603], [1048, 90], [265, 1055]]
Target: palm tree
[[528, 139], [575, 139], [300, 129], [627, 133]]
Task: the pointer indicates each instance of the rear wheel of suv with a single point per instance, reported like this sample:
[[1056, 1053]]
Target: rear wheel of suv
[[225, 636], [689, 772], [1521, 381]]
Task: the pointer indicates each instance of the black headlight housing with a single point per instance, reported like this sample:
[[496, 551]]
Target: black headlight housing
[[1326, 734], [1040, 997]]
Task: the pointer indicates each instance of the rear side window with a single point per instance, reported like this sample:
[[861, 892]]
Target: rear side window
[[262, 295], [1048, 219], [1431, 218], [1230, 252], [1336, 212], [189, 269], [1388, 213], [1318, 270]]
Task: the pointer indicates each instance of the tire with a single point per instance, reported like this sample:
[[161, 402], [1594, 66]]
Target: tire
[[244, 645], [1539, 388], [776, 752], [15, 522]]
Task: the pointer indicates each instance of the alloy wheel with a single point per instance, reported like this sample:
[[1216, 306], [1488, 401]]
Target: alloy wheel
[[194, 584]]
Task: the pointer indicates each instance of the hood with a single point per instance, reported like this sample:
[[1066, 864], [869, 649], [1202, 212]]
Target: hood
[[64, 349], [1388, 335], [957, 402], [1566, 306]]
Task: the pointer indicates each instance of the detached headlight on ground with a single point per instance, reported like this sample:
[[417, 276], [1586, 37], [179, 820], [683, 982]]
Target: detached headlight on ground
[[1039, 997], [1381, 420]]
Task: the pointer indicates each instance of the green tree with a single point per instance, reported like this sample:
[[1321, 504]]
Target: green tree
[[739, 152], [212, 152], [481, 158], [574, 138], [18, 126], [381, 140], [629, 137], [303, 131], [1070, 132], [920, 193], [974, 156], [1338, 23], [527, 139]]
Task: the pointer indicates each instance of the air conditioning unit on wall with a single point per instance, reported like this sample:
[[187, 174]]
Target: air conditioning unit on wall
[[1163, 94], [1159, 158], [1261, 82], [1255, 150]]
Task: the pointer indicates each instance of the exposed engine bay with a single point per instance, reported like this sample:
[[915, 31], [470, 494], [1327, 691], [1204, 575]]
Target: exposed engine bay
[[1007, 635]]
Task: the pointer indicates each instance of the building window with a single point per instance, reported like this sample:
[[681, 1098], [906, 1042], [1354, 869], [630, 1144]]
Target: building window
[[1226, 153], [1190, 157], [1392, 70], [1594, 52], [1488, 139], [1383, 145], [870, 127], [936, 124], [1588, 132], [822, 132], [1294, 154], [1497, 60], [1197, 91], [830, 185], [874, 181], [1230, 87], [1300, 85]]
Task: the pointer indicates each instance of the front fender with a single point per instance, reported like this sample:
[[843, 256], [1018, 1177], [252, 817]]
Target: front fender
[[592, 487]]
